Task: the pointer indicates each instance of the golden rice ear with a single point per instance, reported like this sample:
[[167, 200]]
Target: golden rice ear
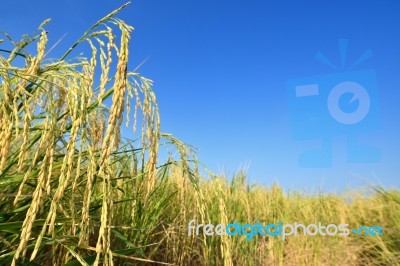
[[44, 23], [72, 113]]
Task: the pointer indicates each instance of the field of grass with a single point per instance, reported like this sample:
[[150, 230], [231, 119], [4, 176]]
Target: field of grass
[[73, 192]]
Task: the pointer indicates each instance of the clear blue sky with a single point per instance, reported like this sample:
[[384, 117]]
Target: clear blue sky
[[225, 74]]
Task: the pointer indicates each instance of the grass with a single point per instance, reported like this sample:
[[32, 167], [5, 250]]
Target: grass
[[73, 192]]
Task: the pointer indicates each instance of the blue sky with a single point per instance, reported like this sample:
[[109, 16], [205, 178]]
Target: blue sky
[[224, 72]]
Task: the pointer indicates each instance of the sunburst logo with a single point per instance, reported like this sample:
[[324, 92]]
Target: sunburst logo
[[343, 103]]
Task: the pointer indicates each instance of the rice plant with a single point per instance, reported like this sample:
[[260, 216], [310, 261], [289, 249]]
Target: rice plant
[[74, 192]]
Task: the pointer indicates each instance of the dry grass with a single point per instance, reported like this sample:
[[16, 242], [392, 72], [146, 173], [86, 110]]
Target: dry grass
[[74, 193]]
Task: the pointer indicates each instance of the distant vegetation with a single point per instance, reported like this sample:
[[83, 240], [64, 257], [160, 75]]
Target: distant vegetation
[[73, 192]]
